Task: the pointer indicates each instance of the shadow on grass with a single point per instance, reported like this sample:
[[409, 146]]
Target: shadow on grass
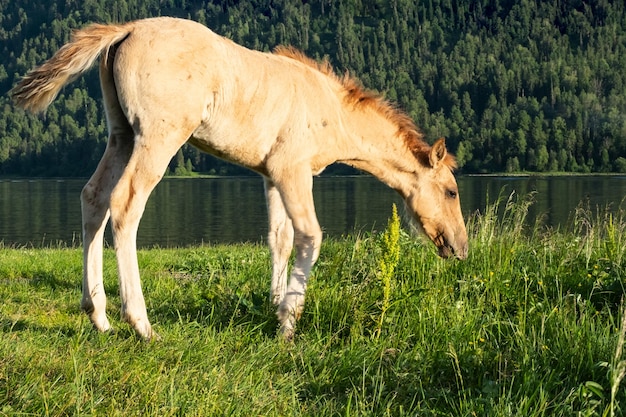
[[8, 325], [220, 309], [49, 279]]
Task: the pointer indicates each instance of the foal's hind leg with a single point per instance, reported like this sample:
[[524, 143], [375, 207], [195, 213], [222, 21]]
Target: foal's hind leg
[[96, 195], [95, 213], [280, 239], [150, 157]]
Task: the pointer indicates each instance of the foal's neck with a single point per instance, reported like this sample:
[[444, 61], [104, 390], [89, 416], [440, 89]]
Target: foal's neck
[[380, 145]]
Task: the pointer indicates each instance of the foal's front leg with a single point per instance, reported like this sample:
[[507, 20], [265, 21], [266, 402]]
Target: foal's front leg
[[297, 197], [280, 239]]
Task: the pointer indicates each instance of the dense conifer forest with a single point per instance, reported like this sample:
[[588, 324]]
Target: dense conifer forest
[[527, 85]]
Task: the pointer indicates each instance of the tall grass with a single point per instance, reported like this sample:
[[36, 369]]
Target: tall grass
[[531, 324]]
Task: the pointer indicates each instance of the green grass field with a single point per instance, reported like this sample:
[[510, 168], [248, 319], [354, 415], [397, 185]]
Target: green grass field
[[531, 324]]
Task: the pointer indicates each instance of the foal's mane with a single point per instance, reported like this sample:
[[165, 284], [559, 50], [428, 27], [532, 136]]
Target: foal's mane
[[357, 96]]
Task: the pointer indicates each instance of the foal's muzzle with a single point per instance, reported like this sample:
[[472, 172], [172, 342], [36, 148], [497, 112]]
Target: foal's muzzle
[[448, 249]]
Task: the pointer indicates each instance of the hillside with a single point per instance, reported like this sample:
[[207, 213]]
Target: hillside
[[536, 86]]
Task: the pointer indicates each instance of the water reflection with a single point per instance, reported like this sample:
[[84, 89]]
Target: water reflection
[[39, 212], [556, 198], [225, 210]]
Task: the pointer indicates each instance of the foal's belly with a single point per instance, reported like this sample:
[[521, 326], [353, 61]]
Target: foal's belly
[[237, 153]]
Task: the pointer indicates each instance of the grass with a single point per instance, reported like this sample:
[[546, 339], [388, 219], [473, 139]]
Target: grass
[[531, 324]]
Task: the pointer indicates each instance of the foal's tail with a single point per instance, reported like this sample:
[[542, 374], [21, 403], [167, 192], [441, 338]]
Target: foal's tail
[[40, 86]]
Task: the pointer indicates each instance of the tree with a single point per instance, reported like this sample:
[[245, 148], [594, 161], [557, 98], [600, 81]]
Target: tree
[[513, 85]]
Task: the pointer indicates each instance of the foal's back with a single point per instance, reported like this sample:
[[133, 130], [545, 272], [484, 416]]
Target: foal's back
[[241, 105]]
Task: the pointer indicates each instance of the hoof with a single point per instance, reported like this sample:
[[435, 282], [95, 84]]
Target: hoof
[[287, 323], [143, 329], [287, 333], [101, 323], [154, 337]]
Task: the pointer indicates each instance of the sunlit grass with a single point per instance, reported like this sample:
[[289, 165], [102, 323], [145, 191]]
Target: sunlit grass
[[531, 324]]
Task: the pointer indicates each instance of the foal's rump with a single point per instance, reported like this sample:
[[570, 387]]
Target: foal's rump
[[156, 64], [159, 68]]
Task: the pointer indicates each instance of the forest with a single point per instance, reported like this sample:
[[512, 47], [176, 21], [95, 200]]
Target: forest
[[514, 86]]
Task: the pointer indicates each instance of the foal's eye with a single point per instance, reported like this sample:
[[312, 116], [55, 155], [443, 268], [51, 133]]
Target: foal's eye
[[451, 193]]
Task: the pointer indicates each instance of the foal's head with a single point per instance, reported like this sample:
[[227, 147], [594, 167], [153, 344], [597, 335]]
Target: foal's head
[[434, 203], [432, 197]]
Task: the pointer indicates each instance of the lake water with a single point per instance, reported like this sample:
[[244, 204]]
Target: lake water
[[191, 211]]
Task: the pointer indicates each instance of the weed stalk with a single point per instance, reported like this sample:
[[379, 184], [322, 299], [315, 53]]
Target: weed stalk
[[388, 262]]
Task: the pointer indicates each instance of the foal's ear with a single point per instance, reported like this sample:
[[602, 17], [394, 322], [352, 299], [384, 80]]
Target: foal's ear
[[438, 152]]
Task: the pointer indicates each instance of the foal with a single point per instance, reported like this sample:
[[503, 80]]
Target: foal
[[168, 81]]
